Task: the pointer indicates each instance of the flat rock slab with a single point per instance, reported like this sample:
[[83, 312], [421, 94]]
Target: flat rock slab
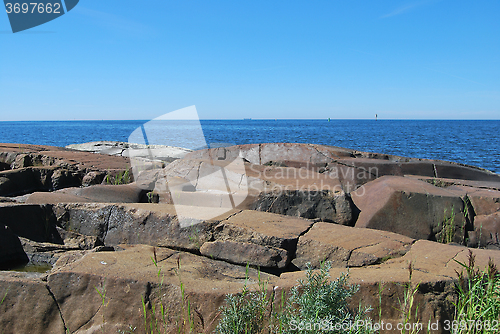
[[261, 154], [125, 193], [410, 207], [62, 156], [241, 252], [348, 246], [145, 273], [154, 152], [28, 305], [262, 228]]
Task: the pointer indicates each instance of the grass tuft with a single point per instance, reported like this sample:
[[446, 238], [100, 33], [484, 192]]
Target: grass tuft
[[478, 307]]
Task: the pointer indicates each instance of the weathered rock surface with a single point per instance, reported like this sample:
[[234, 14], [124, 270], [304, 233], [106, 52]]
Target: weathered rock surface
[[241, 252], [433, 269], [348, 247], [487, 231], [413, 208], [304, 200], [124, 193], [28, 305], [130, 276], [29, 168], [326, 205], [150, 152]]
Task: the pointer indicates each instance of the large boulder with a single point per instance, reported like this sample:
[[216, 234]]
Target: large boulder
[[272, 237], [486, 231], [413, 208], [334, 207]]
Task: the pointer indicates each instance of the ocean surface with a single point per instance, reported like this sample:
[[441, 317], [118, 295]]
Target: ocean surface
[[474, 143]]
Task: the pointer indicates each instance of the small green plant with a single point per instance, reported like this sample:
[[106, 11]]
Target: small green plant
[[406, 306], [102, 294], [244, 313], [448, 228], [320, 305], [151, 197], [123, 177], [478, 307], [4, 296], [381, 288], [153, 324]]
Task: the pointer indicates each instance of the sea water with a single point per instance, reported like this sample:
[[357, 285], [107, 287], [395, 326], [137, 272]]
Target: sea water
[[463, 141]]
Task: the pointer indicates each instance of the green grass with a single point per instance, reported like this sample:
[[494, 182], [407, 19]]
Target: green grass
[[448, 228], [4, 296], [478, 307], [244, 313], [314, 303], [104, 304], [321, 302], [123, 177], [407, 306]]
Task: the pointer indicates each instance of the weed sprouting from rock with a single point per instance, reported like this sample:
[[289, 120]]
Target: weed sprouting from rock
[[316, 303], [320, 304], [244, 313], [478, 307]]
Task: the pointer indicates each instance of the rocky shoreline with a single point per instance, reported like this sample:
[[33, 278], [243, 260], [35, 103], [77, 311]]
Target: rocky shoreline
[[290, 204]]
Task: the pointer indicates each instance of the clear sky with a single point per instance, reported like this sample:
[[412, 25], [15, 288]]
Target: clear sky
[[125, 59]]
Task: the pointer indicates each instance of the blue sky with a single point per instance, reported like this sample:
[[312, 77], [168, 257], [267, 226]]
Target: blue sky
[[110, 59]]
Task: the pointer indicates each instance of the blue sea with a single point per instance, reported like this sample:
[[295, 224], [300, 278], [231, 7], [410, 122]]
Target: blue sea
[[468, 142]]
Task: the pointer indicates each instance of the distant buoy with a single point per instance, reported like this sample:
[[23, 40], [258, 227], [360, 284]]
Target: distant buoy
[[328, 119], [376, 116]]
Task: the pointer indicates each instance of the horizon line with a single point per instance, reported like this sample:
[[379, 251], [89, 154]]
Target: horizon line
[[266, 119]]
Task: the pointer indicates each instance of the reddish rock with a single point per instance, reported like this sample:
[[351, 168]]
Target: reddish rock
[[130, 276], [262, 228], [329, 206], [261, 154], [410, 207], [244, 252], [382, 285], [125, 193], [348, 247], [486, 231], [28, 305]]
